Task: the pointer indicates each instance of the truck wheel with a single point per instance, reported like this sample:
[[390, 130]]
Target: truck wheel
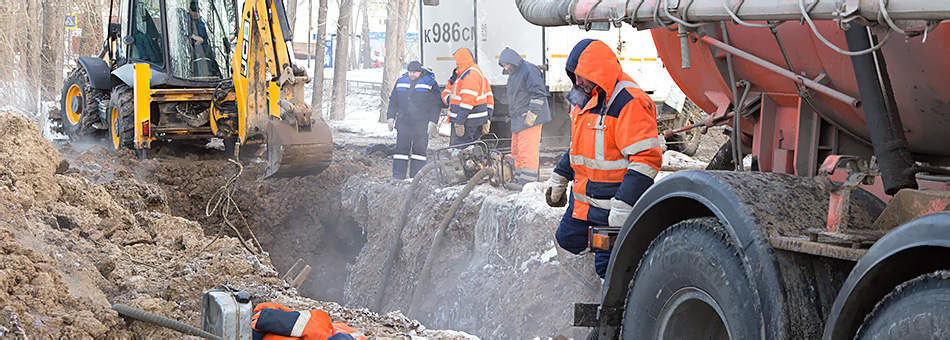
[[917, 309], [121, 117], [79, 104], [692, 284]]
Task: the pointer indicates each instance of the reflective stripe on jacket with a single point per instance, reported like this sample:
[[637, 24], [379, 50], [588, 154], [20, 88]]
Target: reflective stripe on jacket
[[272, 321], [614, 150], [414, 103], [469, 99]]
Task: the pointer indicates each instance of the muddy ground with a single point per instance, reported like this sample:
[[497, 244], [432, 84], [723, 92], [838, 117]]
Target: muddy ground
[[87, 227], [104, 228]]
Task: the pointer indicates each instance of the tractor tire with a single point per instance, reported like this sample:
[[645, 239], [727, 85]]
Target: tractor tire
[[79, 105], [122, 118], [686, 142], [692, 284], [722, 160], [917, 309]]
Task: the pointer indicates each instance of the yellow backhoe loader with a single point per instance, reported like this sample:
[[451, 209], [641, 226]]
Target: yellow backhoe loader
[[199, 69]]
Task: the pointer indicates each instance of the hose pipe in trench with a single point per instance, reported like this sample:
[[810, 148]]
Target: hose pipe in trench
[[437, 241], [397, 236], [144, 316]]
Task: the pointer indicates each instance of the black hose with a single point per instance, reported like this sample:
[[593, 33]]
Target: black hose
[[144, 316], [440, 234], [880, 112], [545, 12], [397, 237]]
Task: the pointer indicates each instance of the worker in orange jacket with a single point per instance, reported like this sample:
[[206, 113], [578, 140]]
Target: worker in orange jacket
[[273, 321], [469, 99], [614, 153]]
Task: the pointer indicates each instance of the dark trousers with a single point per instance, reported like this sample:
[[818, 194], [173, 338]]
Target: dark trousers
[[410, 153], [472, 133], [572, 236]]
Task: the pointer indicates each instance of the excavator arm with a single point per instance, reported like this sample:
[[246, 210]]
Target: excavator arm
[[270, 99]]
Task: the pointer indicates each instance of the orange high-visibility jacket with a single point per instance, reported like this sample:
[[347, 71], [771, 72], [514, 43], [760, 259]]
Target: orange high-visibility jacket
[[469, 97], [615, 152], [273, 321]]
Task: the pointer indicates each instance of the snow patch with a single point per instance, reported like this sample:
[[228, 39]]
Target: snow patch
[[680, 161]]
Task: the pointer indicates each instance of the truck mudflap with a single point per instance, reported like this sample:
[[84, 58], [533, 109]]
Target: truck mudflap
[[297, 150]]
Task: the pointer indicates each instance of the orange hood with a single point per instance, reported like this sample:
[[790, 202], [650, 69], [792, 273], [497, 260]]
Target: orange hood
[[463, 60], [595, 61]]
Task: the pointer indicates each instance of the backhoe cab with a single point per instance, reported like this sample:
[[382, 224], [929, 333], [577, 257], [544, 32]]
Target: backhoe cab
[[198, 69]]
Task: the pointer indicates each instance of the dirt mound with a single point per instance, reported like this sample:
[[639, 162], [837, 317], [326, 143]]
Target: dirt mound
[[74, 241]]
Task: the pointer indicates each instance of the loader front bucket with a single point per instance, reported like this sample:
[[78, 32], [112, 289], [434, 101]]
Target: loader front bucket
[[293, 151]]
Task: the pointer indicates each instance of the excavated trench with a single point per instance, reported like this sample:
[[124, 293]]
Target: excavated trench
[[497, 272]]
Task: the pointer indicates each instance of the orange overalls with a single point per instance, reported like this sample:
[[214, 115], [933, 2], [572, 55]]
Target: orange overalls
[[272, 321]]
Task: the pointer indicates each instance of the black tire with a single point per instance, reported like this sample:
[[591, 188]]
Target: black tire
[[722, 160], [121, 118], [686, 142], [692, 284], [917, 309], [79, 104]]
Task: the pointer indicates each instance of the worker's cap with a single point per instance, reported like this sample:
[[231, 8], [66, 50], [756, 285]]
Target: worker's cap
[[414, 66]]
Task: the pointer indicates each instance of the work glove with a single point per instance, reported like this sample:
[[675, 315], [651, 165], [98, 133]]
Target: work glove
[[392, 123], [529, 118], [433, 130], [459, 130], [486, 128], [557, 186], [619, 211]]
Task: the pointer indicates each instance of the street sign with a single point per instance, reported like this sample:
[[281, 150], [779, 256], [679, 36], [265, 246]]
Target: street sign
[[71, 21]]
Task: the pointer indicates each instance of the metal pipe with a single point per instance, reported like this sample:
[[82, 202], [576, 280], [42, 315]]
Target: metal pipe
[[683, 33], [640, 13], [546, 12], [884, 122], [783, 72]]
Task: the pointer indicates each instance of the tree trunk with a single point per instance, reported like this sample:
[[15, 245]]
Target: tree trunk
[[309, 31], [396, 21], [291, 9], [31, 54], [354, 62], [51, 52], [317, 101], [366, 56], [341, 60]]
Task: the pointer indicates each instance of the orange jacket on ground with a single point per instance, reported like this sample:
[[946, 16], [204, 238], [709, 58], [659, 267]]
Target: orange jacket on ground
[[469, 96], [272, 321], [615, 152]]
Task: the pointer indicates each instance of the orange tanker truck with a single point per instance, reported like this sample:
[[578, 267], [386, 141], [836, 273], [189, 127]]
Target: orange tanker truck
[[839, 228]]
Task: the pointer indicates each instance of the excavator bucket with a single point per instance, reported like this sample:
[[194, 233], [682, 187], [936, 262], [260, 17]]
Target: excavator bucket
[[297, 151]]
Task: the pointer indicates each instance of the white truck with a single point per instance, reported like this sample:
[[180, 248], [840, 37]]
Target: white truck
[[486, 27]]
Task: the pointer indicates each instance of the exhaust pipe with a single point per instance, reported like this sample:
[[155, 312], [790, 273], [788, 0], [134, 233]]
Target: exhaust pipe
[[546, 13]]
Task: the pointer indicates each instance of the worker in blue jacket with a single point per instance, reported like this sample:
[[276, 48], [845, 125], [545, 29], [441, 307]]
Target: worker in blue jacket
[[527, 110], [414, 107]]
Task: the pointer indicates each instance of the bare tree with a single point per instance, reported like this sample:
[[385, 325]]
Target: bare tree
[[341, 60], [291, 10], [397, 21], [316, 102], [354, 59], [366, 53], [51, 51]]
